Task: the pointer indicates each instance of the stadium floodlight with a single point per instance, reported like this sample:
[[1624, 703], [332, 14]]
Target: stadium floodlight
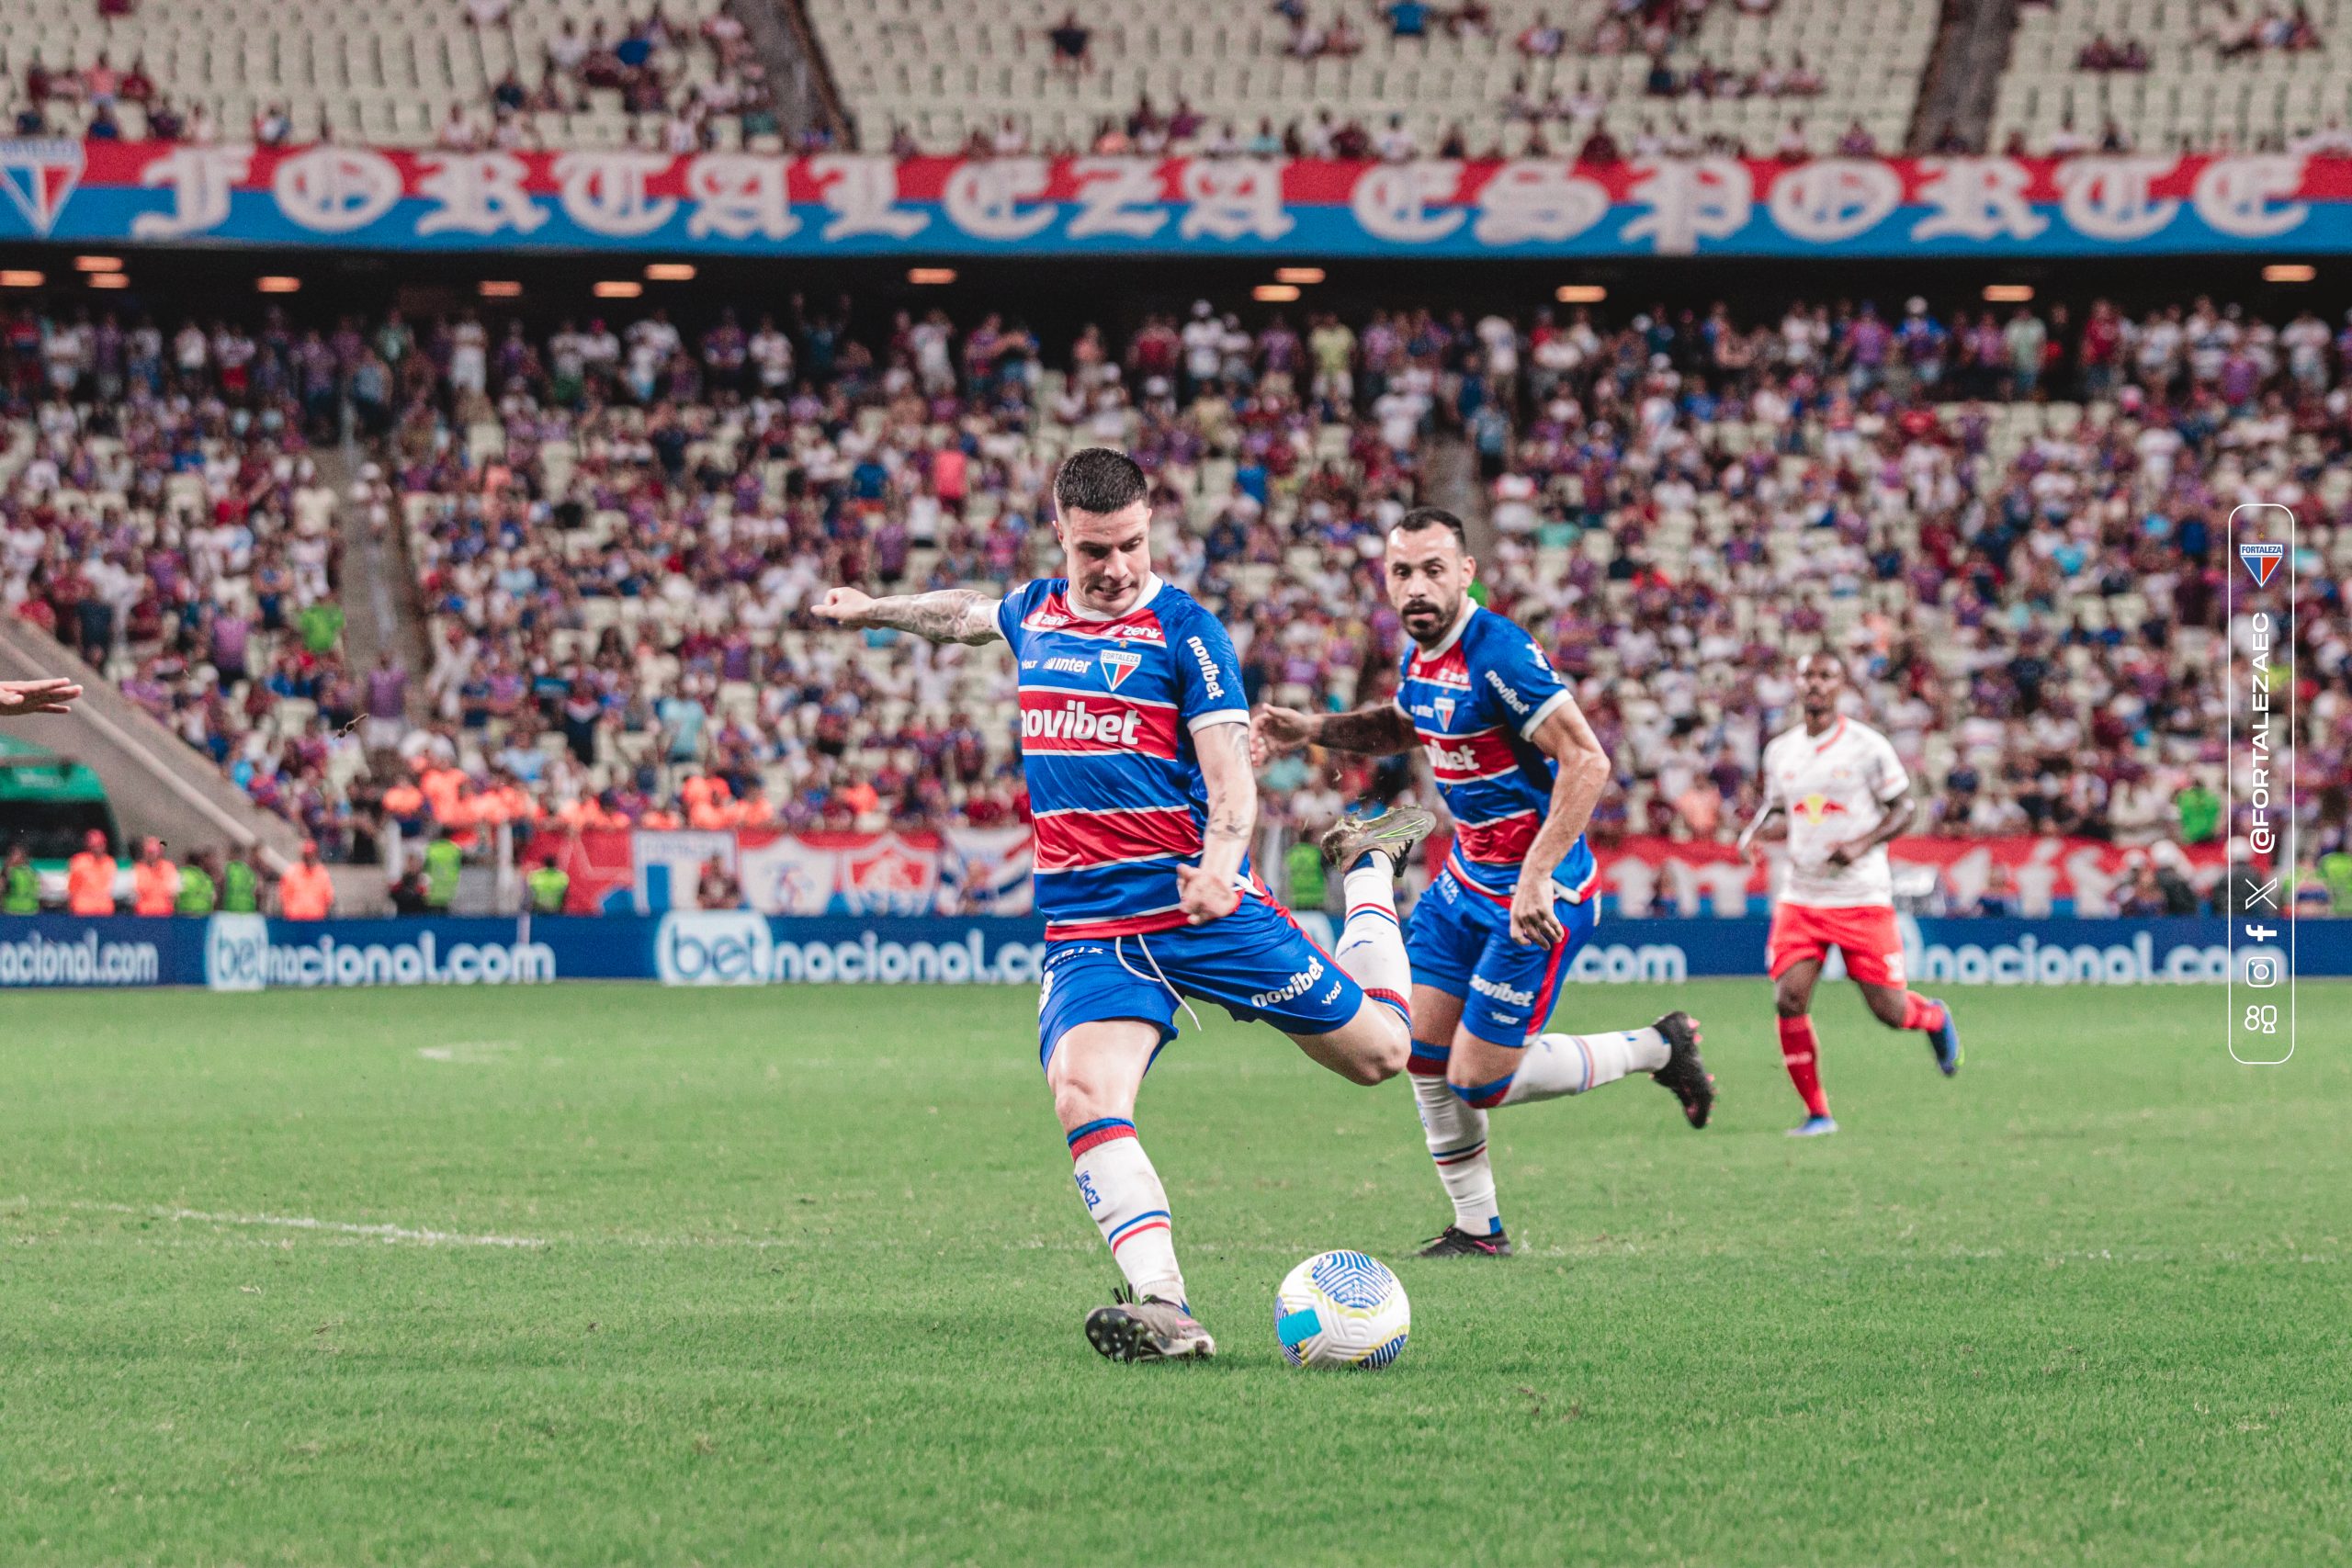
[[2289, 272], [97, 264], [618, 289], [931, 277], [1276, 293], [2008, 293], [501, 288], [21, 277], [109, 280], [668, 272], [1298, 275], [1580, 294], [278, 283]]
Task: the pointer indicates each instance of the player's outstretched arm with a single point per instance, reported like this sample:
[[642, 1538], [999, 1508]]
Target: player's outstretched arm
[[1568, 740], [1208, 890], [1755, 829], [950, 614], [18, 698], [1377, 729]]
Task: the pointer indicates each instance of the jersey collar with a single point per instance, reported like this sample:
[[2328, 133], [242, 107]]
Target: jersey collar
[[1462, 622], [1079, 612]]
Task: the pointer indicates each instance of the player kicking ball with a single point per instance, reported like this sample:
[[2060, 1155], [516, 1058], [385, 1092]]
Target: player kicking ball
[[1136, 741], [1521, 770], [1844, 795]]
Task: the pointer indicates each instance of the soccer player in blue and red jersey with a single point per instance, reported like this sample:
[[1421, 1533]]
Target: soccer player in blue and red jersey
[[1521, 771], [1136, 741]]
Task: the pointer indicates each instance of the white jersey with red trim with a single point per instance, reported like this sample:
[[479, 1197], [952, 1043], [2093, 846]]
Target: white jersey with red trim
[[1835, 787], [1109, 709]]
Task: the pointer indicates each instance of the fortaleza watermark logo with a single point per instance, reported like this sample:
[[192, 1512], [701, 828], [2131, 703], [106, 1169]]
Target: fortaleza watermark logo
[[421, 962], [37, 961], [738, 948]]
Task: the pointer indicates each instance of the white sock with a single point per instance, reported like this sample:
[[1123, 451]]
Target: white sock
[[1457, 1140], [1571, 1064], [1372, 944], [1129, 1205]]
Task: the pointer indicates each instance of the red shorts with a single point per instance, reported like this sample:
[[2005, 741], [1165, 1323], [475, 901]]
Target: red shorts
[[1865, 933]]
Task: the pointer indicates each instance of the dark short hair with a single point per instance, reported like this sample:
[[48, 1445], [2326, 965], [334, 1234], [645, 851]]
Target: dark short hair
[[1100, 480], [1425, 517]]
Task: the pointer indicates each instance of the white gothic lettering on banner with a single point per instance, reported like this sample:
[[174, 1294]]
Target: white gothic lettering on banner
[[1976, 198], [1234, 199], [1689, 199], [2107, 197], [479, 193], [862, 194], [739, 195], [1832, 199], [985, 196], [199, 179], [1117, 195], [1537, 198], [604, 192], [1393, 202], [332, 190], [2236, 196]]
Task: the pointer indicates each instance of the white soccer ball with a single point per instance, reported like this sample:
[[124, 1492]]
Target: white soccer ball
[[1341, 1309]]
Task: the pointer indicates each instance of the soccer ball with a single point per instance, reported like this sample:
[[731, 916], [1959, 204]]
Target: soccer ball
[[1341, 1309]]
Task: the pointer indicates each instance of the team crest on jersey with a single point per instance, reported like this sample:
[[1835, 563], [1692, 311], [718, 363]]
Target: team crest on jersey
[[1444, 710], [39, 176], [1118, 664], [2262, 558]]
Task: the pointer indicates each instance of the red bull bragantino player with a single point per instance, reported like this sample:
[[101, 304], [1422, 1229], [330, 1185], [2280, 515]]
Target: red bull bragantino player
[[1844, 795], [1134, 738], [1491, 940]]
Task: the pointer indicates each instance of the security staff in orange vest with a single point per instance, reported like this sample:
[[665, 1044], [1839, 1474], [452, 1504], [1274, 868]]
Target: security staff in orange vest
[[89, 877], [154, 881], [306, 892]]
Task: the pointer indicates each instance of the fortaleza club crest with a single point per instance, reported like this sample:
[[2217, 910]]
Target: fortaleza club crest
[[2262, 558], [39, 176], [1118, 664], [1444, 707]]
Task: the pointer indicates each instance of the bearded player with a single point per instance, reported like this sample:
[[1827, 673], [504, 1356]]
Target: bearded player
[[1136, 742], [1521, 771], [1844, 795]]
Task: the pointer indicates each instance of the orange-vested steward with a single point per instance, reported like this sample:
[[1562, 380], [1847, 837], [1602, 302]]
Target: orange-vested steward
[[305, 892], [89, 884], [154, 887]]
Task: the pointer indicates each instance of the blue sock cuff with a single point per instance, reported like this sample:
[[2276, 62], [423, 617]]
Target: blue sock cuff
[[1486, 1095]]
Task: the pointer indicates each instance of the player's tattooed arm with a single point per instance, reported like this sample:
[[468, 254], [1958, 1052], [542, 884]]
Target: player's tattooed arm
[[1378, 729], [1891, 826], [949, 615], [1568, 740], [1208, 890]]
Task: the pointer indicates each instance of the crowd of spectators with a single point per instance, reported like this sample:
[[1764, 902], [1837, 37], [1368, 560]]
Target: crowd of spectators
[[2010, 520]]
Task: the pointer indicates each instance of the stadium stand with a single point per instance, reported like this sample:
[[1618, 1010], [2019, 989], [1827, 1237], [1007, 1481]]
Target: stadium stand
[[615, 532], [1241, 75], [449, 72], [2165, 76]]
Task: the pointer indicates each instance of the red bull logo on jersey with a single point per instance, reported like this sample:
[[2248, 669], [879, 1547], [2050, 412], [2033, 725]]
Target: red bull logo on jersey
[[1818, 807], [1120, 663]]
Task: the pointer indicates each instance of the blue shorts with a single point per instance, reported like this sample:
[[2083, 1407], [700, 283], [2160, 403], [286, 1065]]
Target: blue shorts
[[1459, 941], [1255, 963]]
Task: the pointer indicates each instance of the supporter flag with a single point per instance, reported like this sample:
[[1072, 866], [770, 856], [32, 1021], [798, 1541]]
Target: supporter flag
[[985, 871]]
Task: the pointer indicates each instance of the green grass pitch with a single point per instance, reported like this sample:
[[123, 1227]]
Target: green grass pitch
[[807, 1272]]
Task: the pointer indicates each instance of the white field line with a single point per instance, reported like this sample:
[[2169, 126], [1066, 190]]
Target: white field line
[[290, 1222]]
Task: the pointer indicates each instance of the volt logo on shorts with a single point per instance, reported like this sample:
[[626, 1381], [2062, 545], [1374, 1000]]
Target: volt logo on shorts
[[1073, 721], [1066, 665], [1297, 985], [1500, 992], [1211, 687]]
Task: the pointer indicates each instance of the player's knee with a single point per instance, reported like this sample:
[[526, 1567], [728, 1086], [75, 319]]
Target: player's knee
[[1080, 1097], [1887, 1008], [1790, 1003]]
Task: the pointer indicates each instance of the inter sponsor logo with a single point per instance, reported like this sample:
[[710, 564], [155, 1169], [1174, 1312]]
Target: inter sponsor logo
[[1297, 985], [1067, 666]]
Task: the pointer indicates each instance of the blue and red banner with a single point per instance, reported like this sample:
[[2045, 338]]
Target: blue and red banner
[[844, 204]]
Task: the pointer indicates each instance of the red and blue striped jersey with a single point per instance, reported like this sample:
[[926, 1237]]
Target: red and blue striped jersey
[[1474, 701], [1109, 708]]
